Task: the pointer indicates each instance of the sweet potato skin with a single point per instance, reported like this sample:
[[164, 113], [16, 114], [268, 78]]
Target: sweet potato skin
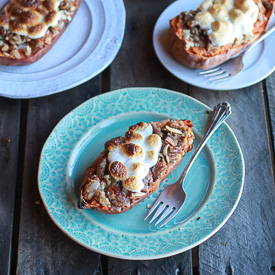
[[83, 204], [12, 61], [193, 60]]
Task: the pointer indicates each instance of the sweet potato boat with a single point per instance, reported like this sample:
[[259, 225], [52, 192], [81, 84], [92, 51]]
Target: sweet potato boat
[[106, 187], [190, 43], [29, 28]]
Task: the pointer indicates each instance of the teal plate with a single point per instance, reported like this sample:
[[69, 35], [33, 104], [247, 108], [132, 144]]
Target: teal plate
[[213, 185]]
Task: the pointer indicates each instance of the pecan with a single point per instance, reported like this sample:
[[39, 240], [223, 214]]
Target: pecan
[[2, 31], [156, 129], [148, 178], [101, 167], [101, 198], [170, 141], [117, 198], [175, 149], [159, 170]]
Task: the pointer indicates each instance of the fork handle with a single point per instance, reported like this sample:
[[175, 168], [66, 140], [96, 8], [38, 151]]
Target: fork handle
[[260, 39], [219, 114]]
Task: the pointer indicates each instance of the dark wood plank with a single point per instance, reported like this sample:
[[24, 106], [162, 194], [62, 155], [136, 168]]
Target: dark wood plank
[[9, 139], [270, 90], [245, 244], [137, 66], [179, 264], [42, 247]]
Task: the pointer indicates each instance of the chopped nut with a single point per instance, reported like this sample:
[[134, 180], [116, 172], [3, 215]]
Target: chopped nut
[[2, 31], [15, 53], [73, 8], [5, 48], [173, 130], [27, 51], [170, 141], [165, 150], [48, 40]]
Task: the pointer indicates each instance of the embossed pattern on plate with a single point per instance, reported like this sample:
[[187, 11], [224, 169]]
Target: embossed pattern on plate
[[213, 186], [87, 47]]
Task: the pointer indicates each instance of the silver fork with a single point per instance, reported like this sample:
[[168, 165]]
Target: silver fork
[[233, 66], [171, 199]]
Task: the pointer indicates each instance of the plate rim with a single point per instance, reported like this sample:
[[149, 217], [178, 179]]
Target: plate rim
[[164, 255], [105, 62], [216, 87]]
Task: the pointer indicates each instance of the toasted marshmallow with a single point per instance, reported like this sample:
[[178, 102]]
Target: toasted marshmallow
[[133, 184], [246, 6], [151, 157], [52, 18], [133, 151], [222, 26], [153, 141], [236, 16], [116, 156], [232, 19], [137, 155], [228, 4], [219, 38], [204, 19], [31, 18], [218, 11], [118, 170], [133, 136], [139, 126], [139, 169], [205, 5]]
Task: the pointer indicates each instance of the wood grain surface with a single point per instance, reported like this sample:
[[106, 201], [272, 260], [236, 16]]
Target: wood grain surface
[[243, 232], [9, 145], [42, 247], [30, 241]]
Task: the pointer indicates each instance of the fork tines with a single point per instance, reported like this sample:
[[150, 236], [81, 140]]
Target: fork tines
[[218, 73], [164, 210]]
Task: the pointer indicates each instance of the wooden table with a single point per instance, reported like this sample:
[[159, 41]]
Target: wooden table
[[30, 243]]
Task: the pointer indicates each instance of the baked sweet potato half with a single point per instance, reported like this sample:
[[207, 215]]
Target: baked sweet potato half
[[132, 167], [29, 28], [217, 30]]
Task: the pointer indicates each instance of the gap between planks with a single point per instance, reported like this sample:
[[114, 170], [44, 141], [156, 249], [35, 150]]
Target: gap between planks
[[269, 129], [19, 181]]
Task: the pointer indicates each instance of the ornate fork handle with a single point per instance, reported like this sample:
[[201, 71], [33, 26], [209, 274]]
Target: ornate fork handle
[[219, 114]]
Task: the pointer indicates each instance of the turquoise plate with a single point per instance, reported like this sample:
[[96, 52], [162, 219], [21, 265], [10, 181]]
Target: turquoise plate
[[213, 185]]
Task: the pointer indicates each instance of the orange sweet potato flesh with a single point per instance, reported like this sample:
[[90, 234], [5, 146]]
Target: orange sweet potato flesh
[[200, 58], [23, 60], [95, 205]]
